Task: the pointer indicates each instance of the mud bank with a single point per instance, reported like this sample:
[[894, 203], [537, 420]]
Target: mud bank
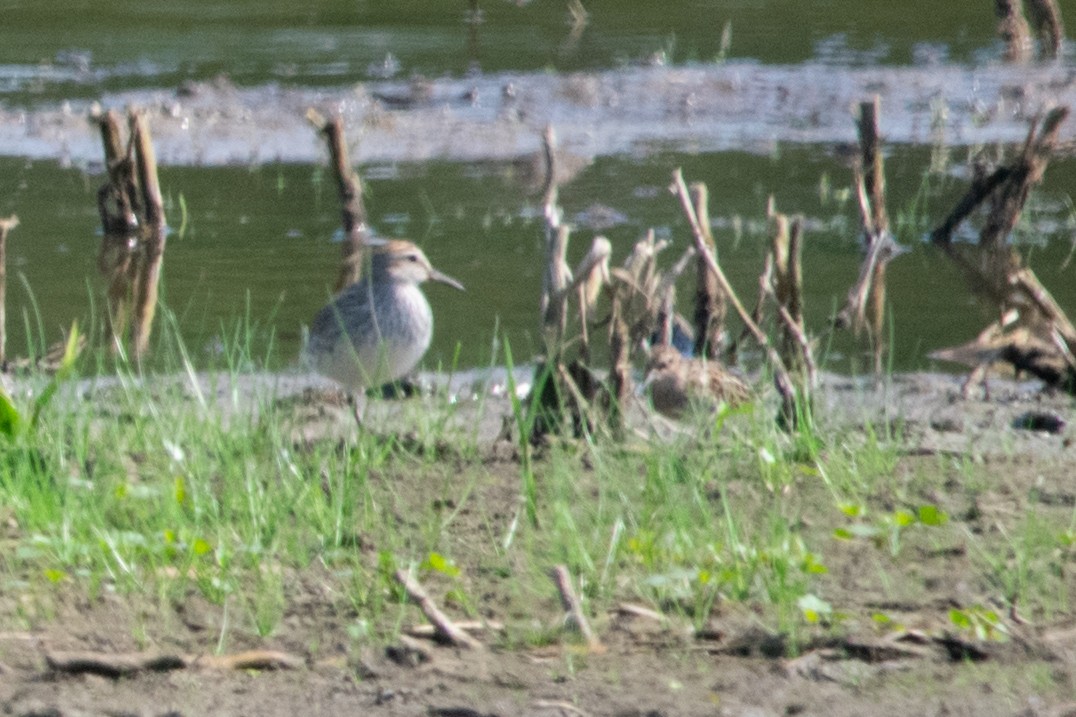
[[740, 106]]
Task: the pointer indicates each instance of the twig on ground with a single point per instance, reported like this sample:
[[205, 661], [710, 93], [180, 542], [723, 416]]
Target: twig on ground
[[447, 629], [574, 608]]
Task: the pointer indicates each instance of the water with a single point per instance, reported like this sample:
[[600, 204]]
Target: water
[[261, 242], [78, 48]]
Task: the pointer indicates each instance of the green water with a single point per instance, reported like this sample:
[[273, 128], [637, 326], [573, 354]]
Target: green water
[[51, 50], [261, 243]]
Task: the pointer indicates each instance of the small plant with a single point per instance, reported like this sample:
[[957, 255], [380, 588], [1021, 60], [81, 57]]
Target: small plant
[[888, 528]]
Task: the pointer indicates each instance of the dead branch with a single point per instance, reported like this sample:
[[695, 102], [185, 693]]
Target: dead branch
[[1007, 202], [349, 188], [619, 364], [710, 304], [6, 226], [1037, 336], [788, 292], [124, 664], [1013, 30], [447, 629], [1045, 17], [781, 377], [867, 295], [574, 608], [153, 235], [117, 665], [250, 660], [117, 203]]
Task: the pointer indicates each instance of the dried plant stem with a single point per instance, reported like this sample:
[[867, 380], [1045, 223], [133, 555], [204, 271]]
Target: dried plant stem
[[6, 225], [788, 291], [447, 629], [349, 188], [1013, 29], [781, 378], [154, 233], [1041, 339], [710, 303], [574, 608]]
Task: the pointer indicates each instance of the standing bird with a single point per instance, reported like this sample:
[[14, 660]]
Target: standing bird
[[377, 329], [677, 383]]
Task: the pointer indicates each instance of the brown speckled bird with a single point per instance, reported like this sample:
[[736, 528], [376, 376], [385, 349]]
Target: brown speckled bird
[[676, 383]]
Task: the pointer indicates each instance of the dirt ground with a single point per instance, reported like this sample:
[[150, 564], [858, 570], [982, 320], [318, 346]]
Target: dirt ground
[[649, 666]]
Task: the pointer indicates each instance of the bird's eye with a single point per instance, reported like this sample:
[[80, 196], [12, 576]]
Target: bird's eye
[[412, 257]]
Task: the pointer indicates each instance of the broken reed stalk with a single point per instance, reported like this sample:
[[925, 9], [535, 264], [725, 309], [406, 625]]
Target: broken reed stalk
[[570, 600], [619, 364], [444, 626], [6, 226], [865, 305], [1042, 337], [117, 202], [710, 304], [153, 234], [1045, 16], [132, 217], [788, 291], [1013, 29], [781, 378], [349, 188]]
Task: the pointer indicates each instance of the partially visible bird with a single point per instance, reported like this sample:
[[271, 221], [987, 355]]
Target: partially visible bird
[[377, 329], [677, 383]]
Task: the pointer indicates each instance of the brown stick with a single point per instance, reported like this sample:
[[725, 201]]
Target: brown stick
[[120, 665], [788, 291], [1009, 199], [117, 203], [619, 363], [781, 377], [873, 165], [574, 608], [6, 225], [349, 188], [710, 304], [153, 237], [1013, 30], [107, 665], [1045, 16], [438, 619]]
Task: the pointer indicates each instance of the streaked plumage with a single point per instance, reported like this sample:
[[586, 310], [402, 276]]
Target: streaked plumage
[[676, 383]]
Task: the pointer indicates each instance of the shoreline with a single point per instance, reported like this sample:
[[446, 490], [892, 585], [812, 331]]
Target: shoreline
[[739, 106]]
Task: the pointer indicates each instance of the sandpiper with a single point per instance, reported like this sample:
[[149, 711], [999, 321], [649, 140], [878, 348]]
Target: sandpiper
[[677, 383], [377, 329]]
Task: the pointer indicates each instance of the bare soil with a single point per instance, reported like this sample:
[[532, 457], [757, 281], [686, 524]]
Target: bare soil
[[997, 466]]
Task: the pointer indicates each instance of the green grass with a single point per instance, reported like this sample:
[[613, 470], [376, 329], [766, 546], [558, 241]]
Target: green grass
[[158, 491]]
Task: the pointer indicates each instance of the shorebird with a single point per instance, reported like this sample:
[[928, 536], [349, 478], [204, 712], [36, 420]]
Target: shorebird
[[677, 383], [377, 329]]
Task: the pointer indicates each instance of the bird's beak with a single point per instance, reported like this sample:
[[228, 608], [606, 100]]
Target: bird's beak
[[445, 279]]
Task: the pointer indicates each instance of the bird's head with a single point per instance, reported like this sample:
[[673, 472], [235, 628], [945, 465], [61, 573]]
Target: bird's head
[[401, 261]]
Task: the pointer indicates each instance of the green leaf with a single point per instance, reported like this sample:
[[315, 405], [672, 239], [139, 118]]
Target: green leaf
[[814, 608], [852, 510], [11, 421], [903, 518], [960, 618], [932, 515], [440, 564]]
